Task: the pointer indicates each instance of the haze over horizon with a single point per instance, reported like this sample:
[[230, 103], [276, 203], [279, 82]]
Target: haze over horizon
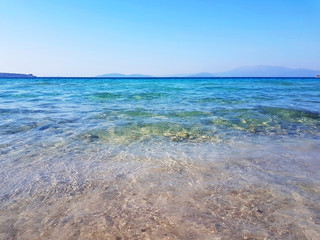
[[244, 71], [80, 38]]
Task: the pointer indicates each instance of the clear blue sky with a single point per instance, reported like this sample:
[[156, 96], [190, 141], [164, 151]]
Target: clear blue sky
[[88, 38]]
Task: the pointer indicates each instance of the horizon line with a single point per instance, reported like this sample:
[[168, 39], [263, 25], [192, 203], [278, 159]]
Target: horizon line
[[143, 77]]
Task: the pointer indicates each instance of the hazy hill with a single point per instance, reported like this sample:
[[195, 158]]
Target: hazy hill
[[120, 75], [249, 71], [16, 75], [204, 74], [267, 71]]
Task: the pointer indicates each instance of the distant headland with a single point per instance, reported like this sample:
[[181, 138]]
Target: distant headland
[[16, 75]]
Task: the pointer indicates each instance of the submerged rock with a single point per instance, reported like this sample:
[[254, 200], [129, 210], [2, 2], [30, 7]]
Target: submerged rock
[[91, 137], [182, 134], [167, 134]]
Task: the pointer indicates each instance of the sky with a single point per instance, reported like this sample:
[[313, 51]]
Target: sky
[[163, 37]]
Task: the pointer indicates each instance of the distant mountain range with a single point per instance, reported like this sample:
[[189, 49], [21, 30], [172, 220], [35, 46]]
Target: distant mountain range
[[120, 75], [250, 71], [16, 75], [268, 71]]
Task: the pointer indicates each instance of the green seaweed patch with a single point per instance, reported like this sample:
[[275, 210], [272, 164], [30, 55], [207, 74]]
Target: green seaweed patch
[[149, 96], [268, 121], [187, 114], [221, 100], [138, 113], [291, 115], [142, 132], [249, 121], [105, 96]]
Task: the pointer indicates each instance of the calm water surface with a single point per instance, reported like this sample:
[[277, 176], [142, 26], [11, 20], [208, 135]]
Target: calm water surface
[[159, 159]]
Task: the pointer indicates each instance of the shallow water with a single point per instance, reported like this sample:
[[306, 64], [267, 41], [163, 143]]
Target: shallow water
[[159, 159]]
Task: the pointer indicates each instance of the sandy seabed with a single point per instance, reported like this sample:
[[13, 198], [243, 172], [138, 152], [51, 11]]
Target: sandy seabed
[[193, 191]]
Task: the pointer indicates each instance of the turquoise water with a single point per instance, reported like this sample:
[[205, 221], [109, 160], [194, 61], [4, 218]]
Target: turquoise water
[[159, 158]]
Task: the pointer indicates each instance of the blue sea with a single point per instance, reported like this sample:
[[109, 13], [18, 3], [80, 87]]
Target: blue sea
[[218, 158]]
